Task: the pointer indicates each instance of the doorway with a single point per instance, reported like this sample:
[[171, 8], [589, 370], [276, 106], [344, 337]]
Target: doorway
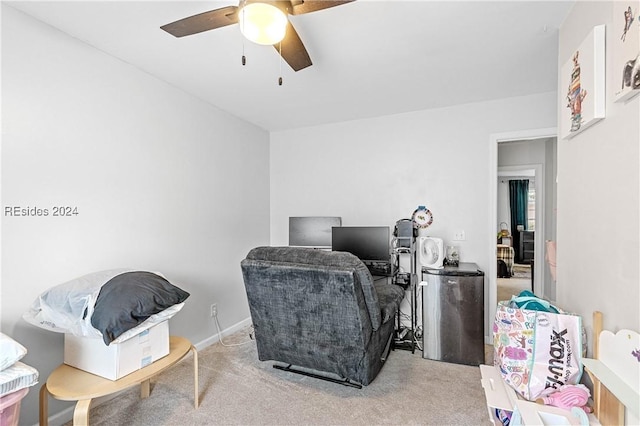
[[519, 248], [522, 151]]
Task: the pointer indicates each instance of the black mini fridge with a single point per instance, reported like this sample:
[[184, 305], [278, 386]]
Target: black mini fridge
[[453, 314]]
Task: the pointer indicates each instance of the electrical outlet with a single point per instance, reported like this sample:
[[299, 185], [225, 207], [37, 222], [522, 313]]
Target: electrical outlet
[[214, 310], [458, 236]]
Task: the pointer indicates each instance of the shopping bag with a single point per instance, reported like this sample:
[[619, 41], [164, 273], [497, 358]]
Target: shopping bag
[[537, 351]]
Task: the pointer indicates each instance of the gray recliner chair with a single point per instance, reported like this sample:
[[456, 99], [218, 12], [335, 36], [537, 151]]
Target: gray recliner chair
[[320, 310]]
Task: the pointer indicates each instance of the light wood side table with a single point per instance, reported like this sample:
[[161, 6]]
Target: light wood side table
[[68, 383]]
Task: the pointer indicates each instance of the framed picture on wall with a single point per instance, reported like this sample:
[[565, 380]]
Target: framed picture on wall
[[626, 49], [583, 85]]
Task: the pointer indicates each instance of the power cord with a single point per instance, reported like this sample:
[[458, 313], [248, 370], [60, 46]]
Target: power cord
[[229, 345]]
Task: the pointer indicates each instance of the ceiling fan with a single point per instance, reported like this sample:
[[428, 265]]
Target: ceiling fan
[[289, 46]]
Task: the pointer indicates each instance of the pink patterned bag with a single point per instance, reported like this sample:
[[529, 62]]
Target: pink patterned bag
[[537, 351]]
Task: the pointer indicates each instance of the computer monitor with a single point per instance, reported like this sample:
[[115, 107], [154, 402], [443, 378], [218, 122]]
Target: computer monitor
[[312, 231], [368, 243]]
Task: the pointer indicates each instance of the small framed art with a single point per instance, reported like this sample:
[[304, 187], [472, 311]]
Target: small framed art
[[626, 49], [583, 85]]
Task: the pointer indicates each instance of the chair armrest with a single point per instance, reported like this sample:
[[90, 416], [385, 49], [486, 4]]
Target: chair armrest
[[389, 298]]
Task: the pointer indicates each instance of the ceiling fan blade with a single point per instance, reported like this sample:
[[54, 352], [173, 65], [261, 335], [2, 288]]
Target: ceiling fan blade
[[293, 51], [206, 21], [306, 6]]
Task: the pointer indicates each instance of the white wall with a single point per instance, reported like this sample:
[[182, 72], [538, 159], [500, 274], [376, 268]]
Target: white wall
[[161, 181], [598, 194], [376, 171]]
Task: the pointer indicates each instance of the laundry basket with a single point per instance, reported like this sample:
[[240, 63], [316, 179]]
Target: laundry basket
[[10, 407]]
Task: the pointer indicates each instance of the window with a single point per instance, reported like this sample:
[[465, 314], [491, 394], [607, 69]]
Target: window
[[531, 208]]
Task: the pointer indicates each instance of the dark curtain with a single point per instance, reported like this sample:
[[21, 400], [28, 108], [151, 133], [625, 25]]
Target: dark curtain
[[518, 200]]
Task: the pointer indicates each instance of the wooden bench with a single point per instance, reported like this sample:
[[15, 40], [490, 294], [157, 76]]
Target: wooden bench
[[68, 383]]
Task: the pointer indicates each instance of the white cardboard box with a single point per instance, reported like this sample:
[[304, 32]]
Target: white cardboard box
[[117, 360]]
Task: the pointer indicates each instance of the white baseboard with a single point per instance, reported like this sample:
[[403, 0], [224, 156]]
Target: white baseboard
[[227, 331], [66, 415]]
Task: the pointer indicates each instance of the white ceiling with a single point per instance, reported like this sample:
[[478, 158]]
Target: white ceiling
[[370, 58]]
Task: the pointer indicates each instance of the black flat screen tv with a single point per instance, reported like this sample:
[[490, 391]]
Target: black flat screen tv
[[368, 243], [312, 231]]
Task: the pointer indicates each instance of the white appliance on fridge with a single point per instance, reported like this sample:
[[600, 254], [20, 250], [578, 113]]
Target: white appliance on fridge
[[429, 253]]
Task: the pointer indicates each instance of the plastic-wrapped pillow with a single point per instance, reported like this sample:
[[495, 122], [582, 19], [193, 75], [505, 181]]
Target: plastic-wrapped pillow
[[129, 299], [10, 351], [149, 322], [107, 304], [67, 307]]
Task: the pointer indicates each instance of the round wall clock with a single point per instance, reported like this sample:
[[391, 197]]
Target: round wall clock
[[422, 217]]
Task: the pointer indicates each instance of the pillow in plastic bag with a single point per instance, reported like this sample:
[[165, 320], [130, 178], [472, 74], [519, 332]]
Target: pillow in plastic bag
[[131, 302], [150, 322], [10, 351], [67, 307], [129, 299]]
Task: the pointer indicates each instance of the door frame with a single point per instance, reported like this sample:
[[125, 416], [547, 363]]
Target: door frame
[[494, 140]]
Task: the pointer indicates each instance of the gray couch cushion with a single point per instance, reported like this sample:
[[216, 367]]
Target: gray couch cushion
[[389, 297]]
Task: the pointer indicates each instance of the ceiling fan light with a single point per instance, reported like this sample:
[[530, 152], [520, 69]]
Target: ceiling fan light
[[263, 23]]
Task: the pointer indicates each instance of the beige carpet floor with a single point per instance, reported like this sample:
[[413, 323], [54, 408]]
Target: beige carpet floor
[[521, 280], [521, 270], [508, 287], [237, 389]]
